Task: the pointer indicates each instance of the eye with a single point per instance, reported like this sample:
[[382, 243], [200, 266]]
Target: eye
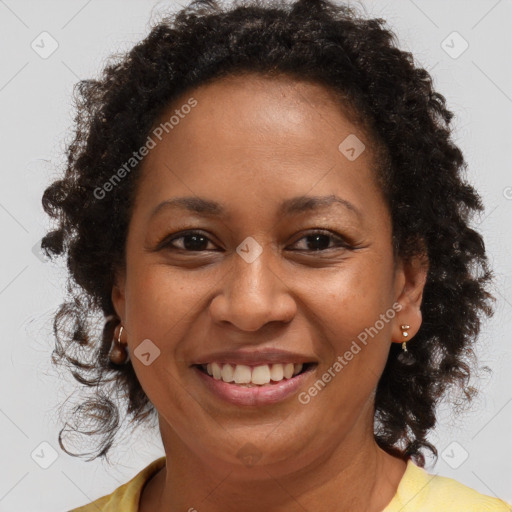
[[320, 240], [195, 241]]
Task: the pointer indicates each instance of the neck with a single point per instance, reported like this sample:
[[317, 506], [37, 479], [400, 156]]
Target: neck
[[355, 475]]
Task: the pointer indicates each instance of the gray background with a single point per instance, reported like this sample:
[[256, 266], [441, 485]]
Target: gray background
[[36, 117]]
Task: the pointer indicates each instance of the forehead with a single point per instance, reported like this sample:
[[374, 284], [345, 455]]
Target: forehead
[[256, 101], [255, 137]]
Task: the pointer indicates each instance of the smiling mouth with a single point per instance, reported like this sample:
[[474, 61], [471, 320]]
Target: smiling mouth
[[254, 376]]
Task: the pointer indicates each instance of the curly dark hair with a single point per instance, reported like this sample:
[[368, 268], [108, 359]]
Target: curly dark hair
[[421, 177]]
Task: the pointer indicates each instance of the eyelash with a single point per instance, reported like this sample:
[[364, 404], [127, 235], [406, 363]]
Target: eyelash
[[339, 240]]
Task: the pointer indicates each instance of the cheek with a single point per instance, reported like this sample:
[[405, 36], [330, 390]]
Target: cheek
[[357, 312], [159, 301], [355, 297], [160, 298]]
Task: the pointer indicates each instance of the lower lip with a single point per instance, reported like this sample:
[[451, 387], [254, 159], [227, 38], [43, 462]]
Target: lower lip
[[257, 395]]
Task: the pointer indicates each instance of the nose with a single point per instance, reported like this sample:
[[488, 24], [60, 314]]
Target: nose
[[253, 294]]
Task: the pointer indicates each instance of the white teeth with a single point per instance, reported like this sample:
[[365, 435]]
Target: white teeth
[[277, 373], [216, 371], [261, 375], [258, 375], [227, 373], [242, 374], [288, 370]]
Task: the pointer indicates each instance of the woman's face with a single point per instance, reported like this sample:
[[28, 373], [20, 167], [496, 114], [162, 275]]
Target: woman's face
[[255, 278]]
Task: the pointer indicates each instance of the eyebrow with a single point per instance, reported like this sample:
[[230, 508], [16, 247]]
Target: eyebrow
[[293, 206]]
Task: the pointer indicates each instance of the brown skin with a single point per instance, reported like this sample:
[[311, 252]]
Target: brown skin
[[250, 143]]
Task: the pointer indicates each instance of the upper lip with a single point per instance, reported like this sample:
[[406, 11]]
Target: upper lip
[[254, 357]]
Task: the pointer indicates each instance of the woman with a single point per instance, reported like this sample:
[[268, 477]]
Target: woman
[[265, 204]]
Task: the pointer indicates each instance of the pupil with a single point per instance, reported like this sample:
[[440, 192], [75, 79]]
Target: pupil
[[319, 236], [197, 245]]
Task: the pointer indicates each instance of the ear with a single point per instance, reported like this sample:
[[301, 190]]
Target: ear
[[410, 279], [118, 294]]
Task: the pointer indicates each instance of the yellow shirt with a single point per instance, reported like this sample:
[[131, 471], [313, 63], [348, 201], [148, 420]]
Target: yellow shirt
[[418, 491]]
